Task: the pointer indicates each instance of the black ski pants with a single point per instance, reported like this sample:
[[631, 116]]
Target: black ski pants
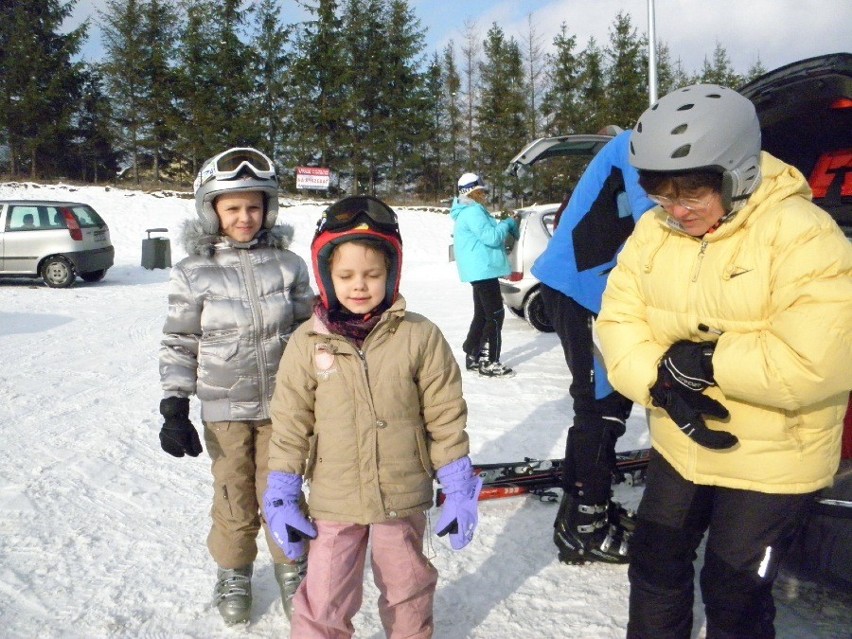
[[748, 535], [486, 327], [598, 423]]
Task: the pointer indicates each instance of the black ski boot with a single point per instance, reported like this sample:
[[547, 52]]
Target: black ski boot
[[592, 532]]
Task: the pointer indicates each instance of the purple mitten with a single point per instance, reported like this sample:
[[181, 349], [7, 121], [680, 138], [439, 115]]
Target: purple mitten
[[459, 511], [285, 519]]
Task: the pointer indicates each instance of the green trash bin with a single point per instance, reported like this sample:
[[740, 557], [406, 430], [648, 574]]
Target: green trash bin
[[156, 251]]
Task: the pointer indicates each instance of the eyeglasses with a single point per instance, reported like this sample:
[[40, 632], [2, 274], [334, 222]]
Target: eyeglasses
[[350, 211], [692, 204], [231, 163]]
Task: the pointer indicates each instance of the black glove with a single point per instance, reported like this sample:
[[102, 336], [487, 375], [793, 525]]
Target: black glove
[[178, 436], [691, 364], [686, 407]]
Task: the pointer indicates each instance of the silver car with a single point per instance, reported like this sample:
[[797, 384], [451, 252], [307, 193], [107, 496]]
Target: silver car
[[56, 241], [520, 290]]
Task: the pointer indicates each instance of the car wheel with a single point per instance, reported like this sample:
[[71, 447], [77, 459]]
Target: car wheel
[[57, 272], [535, 314], [94, 276]]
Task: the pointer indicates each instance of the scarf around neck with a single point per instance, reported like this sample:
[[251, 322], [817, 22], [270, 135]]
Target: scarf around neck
[[352, 326]]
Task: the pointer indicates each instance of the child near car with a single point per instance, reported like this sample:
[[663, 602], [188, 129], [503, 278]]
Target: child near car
[[233, 303], [368, 403]]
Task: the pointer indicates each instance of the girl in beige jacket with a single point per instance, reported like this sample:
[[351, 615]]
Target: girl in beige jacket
[[368, 405]]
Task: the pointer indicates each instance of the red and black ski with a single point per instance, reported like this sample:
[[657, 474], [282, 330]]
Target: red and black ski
[[539, 476]]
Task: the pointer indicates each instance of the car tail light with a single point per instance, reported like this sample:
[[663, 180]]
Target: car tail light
[[841, 103], [73, 225], [515, 276]]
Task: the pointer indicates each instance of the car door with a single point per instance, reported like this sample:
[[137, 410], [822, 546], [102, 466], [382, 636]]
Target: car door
[[578, 145], [805, 113], [23, 238]]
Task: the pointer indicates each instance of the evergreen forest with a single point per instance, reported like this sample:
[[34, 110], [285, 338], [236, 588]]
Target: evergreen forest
[[353, 89]]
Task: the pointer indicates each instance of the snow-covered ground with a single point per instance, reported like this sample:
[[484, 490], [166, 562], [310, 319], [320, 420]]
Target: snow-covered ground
[[102, 534]]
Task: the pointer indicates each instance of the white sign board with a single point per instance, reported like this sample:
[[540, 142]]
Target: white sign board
[[312, 177]]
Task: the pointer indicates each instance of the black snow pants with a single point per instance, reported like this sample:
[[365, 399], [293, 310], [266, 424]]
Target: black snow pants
[[748, 535], [486, 327], [598, 423]]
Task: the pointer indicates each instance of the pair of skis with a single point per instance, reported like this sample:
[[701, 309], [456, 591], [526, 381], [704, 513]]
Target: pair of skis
[[540, 476]]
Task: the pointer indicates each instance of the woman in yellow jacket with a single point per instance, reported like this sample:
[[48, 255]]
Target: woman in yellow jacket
[[729, 315]]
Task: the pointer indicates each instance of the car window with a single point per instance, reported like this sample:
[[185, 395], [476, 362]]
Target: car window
[[26, 218], [87, 217]]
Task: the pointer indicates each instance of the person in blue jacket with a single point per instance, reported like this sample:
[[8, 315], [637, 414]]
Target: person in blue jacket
[[479, 244], [573, 271]]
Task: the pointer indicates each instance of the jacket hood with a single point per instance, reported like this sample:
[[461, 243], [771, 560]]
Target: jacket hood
[[198, 242], [460, 203]]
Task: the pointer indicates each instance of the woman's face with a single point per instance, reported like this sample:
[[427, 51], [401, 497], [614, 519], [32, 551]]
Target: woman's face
[[359, 275], [697, 212], [240, 214]]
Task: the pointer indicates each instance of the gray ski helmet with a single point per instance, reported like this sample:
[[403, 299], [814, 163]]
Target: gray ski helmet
[[702, 126], [233, 171]]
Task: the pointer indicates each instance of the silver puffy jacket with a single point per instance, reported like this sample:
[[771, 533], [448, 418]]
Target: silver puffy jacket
[[232, 308]]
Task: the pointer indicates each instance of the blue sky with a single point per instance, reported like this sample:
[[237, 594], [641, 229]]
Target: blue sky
[[775, 31]]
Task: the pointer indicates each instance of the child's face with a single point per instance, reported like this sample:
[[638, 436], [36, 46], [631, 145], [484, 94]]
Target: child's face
[[360, 276], [240, 214]]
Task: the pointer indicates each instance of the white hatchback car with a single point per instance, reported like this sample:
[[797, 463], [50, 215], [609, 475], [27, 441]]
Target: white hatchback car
[[56, 241]]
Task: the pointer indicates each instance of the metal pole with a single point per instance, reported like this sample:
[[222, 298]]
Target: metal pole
[[652, 55]]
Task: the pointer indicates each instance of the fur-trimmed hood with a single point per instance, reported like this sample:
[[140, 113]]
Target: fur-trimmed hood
[[196, 242]]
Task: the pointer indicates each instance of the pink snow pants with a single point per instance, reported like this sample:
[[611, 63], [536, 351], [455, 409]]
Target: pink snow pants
[[331, 593]]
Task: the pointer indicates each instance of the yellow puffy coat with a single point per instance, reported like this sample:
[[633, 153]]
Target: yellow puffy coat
[[776, 281]]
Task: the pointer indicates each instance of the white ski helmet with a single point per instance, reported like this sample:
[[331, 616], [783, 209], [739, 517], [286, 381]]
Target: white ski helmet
[[702, 127], [233, 171], [470, 182]]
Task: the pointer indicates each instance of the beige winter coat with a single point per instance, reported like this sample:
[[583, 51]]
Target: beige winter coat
[[368, 426], [776, 281]]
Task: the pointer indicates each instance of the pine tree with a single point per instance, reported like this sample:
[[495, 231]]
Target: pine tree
[[433, 156], [39, 81], [366, 103], [670, 76], [754, 71], [272, 57], [197, 90], [123, 33], [719, 70], [231, 63], [93, 127], [470, 50], [454, 125], [627, 79], [159, 34], [407, 98], [319, 90], [535, 59], [501, 113], [592, 106], [559, 105]]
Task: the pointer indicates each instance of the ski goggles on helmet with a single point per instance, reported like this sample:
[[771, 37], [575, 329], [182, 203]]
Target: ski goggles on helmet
[[233, 162], [351, 211]]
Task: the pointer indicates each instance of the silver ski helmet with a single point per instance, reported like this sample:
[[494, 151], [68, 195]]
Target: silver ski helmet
[[702, 127], [233, 171]]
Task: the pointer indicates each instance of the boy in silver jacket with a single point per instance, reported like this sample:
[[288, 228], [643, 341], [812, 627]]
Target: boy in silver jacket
[[233, 303]]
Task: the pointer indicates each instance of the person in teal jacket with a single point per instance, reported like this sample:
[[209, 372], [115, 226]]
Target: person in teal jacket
[[479, 243]]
